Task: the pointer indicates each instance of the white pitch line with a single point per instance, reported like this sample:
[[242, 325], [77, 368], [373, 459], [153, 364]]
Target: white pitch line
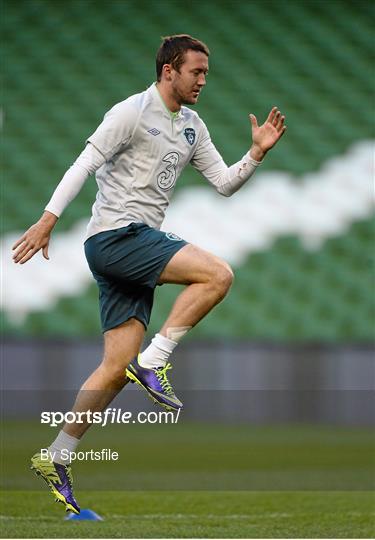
[[196, 516], [24, 518], [161, 516], [270, 515]]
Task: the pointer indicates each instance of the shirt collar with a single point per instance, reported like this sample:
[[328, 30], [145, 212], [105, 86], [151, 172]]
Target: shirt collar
[[156, 94]]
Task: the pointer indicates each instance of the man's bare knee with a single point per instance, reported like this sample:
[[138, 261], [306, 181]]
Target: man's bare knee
[[222, 278]]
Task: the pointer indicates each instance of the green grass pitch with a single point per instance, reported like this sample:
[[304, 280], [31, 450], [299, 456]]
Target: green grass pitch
[[207, 481], [189, 514]]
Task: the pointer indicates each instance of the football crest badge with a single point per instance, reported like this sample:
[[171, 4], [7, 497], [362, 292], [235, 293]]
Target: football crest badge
[[190, 135]]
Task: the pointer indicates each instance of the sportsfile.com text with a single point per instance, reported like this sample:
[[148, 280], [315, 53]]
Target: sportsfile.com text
[[109, 416]]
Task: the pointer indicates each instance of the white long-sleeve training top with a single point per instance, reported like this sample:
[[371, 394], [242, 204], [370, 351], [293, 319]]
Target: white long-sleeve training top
[[138, 152]]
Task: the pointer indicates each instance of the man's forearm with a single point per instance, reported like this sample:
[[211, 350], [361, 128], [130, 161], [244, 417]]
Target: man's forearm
[[228, 180], [74, 178]]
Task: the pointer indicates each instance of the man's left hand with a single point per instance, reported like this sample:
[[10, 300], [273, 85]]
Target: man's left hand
[[266, 135]]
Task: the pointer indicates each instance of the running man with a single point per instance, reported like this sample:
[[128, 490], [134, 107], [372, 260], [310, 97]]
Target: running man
[[138, 152]]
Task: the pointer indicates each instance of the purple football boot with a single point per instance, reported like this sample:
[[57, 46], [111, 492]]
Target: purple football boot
[[59, 479], [156, 384]]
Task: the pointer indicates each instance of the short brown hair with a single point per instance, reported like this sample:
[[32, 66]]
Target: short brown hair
[[173, 49]]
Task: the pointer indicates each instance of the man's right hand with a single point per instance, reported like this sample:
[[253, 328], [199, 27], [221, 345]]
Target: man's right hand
[[34, 239]]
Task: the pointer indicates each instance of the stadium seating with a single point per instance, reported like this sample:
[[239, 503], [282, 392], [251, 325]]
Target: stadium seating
[[68, 62]]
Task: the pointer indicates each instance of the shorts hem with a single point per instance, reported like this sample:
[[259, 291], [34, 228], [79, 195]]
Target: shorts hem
[[122, 321], [166, 261]]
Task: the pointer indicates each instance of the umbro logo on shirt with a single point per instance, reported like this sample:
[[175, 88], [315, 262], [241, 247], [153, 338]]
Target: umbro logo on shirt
[[153, 131]]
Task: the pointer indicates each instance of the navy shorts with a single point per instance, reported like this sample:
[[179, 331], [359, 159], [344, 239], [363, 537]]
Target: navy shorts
[[126, 264]]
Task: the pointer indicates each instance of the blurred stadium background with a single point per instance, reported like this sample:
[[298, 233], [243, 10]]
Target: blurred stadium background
[[294, 341]]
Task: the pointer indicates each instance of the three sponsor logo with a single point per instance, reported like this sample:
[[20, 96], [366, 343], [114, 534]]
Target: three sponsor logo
[[166, 179]]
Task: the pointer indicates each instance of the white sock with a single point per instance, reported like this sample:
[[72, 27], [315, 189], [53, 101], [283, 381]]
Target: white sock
[[65, 442], [157, 353]]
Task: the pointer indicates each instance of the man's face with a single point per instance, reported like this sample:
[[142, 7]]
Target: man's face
[[187, 84]]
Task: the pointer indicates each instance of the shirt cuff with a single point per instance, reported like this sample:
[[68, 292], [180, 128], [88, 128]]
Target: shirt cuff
[[252, 160]]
